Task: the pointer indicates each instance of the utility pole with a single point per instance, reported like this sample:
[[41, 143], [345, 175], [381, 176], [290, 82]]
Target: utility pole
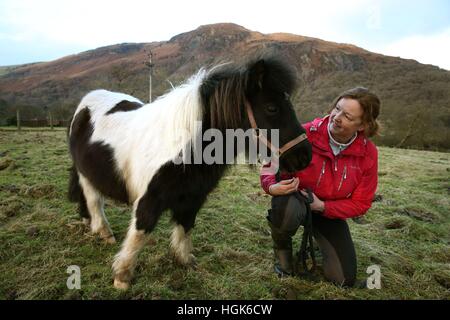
[[150, 65]]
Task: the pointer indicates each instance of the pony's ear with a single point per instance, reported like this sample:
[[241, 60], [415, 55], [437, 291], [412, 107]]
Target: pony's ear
[[256, 74]]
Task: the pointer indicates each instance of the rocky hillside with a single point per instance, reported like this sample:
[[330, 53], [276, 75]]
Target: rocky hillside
[[415, 97]]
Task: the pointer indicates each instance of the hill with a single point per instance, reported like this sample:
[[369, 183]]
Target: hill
[[415, 97]]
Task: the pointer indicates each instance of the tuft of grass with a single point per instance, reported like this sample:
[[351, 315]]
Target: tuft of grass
[[406, 233]]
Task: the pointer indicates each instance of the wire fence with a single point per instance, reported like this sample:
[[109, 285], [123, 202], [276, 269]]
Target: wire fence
[[35, 123]]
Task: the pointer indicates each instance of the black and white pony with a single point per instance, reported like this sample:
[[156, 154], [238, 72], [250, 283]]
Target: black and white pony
[[124, 149]]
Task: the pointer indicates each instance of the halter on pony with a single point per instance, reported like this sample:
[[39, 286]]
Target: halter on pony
[[277, 151]]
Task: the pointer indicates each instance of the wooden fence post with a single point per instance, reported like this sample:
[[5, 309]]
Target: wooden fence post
[[51, 119], [18, 120]]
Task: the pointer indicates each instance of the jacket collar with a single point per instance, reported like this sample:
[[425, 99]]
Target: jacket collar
[[318, 136]]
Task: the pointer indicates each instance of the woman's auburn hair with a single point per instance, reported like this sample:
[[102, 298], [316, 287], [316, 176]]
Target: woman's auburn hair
[[370, 104]]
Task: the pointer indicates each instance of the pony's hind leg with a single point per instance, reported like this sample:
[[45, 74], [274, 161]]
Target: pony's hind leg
[[95, 203], [75, 194]]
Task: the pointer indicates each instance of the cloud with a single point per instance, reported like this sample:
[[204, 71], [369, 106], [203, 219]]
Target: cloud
[[429, 49]]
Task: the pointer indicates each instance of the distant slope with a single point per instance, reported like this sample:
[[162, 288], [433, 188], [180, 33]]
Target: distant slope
[[7, 69], [415, 97]]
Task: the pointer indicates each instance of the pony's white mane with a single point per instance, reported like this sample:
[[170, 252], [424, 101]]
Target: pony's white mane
[[181, 109]]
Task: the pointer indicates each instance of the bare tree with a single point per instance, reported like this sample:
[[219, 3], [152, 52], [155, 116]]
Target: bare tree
[[119, 74], [412, 130]]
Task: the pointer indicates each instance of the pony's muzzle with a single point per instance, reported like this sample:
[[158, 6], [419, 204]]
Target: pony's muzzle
[[296, 158]]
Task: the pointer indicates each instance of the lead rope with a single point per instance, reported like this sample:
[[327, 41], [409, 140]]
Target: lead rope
[[307, 238]]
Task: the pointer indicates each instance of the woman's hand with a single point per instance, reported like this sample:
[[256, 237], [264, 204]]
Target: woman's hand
[[284, 187], [317, 204]]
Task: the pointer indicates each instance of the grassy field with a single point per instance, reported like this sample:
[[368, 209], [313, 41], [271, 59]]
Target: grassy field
[[406, 233]]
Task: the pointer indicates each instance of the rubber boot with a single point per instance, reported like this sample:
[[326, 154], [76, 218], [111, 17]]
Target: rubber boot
[[282, 247]]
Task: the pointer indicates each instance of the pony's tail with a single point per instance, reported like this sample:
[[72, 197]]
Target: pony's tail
[[75, 193]]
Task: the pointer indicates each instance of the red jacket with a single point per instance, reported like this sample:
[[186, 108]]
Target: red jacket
[[346, 182]]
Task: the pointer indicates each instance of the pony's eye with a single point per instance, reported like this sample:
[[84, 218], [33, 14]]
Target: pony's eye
[[271, 108]]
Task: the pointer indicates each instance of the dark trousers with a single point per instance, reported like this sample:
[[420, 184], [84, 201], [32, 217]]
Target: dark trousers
[[332, 235]]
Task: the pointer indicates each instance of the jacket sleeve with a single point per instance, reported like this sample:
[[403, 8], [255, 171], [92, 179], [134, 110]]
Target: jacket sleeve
[[360, 200], [267, 177], [267, 181]]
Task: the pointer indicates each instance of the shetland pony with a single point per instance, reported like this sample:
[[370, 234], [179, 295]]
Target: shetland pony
[[124, 149]]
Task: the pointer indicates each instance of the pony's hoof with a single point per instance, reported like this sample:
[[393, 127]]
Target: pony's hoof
[[121, 285], [110, 240], [192, 261], [105, 235], [189, 262]]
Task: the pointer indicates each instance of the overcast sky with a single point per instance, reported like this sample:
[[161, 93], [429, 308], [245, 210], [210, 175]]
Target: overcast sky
[[43, 30]]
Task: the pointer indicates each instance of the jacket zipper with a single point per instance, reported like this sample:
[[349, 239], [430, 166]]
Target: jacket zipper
[[321, 173], [344, 176]]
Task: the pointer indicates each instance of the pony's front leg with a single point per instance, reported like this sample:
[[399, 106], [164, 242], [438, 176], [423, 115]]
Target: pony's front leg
[[184, 214], [181, 246], [125, 261], [144, 220]]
